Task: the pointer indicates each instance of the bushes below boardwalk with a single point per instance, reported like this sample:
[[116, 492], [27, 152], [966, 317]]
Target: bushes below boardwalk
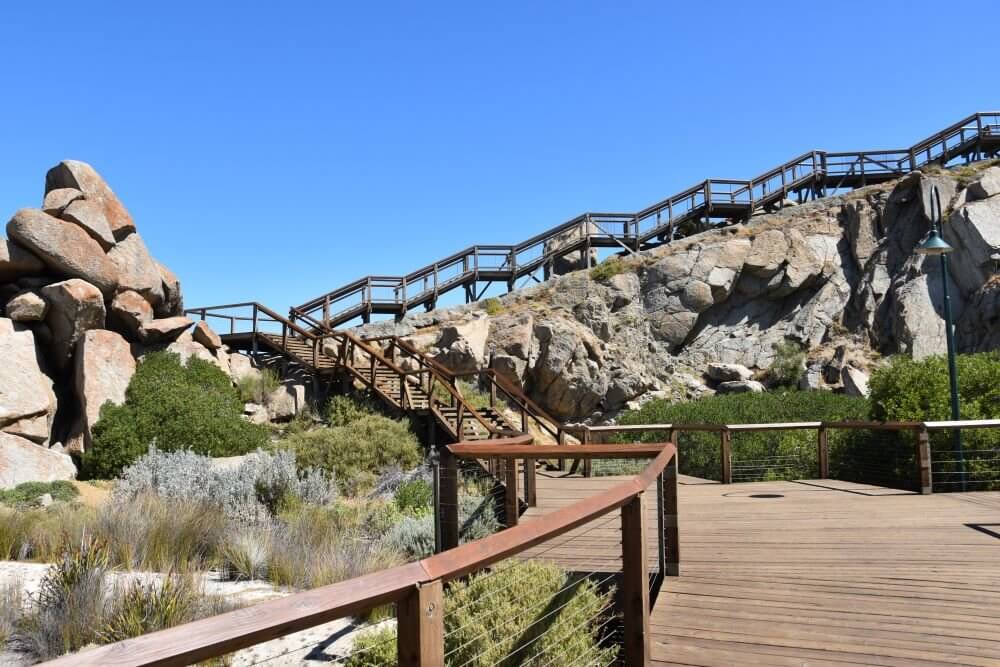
[[520, 612]]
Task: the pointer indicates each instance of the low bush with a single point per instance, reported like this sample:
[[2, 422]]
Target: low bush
[[29, 493], [174, 407], [357, 452], [520, 612], [493, 306], [414, 496], [413, 536], [609, 268], [761, 455], [345, 409], [255, 387], [788, 364]]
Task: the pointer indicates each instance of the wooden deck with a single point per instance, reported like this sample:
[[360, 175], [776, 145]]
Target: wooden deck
[[826, 573]]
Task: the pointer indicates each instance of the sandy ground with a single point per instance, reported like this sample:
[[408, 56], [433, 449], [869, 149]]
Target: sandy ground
[[92, 494], [326, 644]]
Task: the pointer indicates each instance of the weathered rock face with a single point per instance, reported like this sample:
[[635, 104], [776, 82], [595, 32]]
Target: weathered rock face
[[27, 400], [836, 271], [129, 313], [27, 307], [203, 334], [136, 269], [165, 330], [75, 307], [24, 461], [104, 367], [64, 247], [89, 216]]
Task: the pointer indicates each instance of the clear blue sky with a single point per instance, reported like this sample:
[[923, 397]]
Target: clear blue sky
[[273, 151]]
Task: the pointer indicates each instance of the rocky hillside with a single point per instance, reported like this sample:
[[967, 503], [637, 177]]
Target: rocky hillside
[[82, 300], [837, 276]]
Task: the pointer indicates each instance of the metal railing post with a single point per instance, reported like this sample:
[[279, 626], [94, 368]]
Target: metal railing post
[[635, 585], [726, 454], [925, 477], [420, 626]]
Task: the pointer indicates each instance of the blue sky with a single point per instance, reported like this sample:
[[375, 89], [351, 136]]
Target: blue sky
[[273, 151]]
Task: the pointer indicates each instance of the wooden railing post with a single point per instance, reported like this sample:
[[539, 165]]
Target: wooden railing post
[[510, 502], [420, 626], [635, 584], [726, 454], [823, 452], [530, 483], [671, 529], [924, 462], [448, 508]]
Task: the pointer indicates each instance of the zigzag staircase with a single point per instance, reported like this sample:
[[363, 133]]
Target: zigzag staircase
[[403, 378]]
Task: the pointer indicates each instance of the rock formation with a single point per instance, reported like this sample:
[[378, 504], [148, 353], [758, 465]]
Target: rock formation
[[838, 277]]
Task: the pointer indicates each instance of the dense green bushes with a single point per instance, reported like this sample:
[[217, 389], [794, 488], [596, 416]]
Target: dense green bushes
[[768, 455], [357, 452], [175, 407], [29, 493], [521, 612]]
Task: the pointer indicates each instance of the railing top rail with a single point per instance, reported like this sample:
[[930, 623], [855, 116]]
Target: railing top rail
[[231, 631], [779, 426], [474, 450]]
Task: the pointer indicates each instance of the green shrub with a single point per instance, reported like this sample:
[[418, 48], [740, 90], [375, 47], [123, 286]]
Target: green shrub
[[357, 452], [493, 306], [141, 608], [414, 496], [346, 409], [788, 364], [255, 387], [609, 268], [29, 492], [760, 455], [918, 390], [175, 407], [519, 613]]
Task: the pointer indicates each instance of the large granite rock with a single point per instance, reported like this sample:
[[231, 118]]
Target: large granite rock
[[728, 372], [64, 247], [57, 200], [75, 307], [89, 215], [136, 269], [104, 368], [173, 302], [16, 262], [855, 382], [203, 334], [81, 176], [23, 461], [165, 330], [986, 185], [26, 393]]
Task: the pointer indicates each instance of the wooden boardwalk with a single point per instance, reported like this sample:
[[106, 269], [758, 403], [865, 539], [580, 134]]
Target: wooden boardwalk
[[811, 573]]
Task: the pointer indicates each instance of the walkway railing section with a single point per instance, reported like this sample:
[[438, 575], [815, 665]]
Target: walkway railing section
[[811, 174], [918, 456], [426, 595]]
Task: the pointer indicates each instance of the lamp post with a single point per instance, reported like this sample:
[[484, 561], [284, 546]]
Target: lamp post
[[934, 244]]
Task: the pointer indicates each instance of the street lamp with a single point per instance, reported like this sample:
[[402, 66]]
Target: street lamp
[[934, 244]]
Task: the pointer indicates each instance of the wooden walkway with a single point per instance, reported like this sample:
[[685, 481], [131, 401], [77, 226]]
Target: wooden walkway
[[812, 573]]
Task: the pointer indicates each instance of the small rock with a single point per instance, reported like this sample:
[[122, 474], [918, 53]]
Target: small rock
[[129, 312], [812, 378], [45, 499], [57, 200], [165, 330], [855, 382], [203, 334], [287, 401], [241, 366], [728, 372], [89, 215], [173, 302], [740, 387], [27, 307]]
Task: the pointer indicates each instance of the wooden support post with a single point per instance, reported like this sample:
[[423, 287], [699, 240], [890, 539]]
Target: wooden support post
[[448, 509], [924, 462], [588, 464], [671, 530], [635, 585], [726, 454], [510, 502], [420, 626], [530, 484], [823, 452]]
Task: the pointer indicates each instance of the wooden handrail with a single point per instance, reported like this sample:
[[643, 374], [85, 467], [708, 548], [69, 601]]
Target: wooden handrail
[[231, 631]]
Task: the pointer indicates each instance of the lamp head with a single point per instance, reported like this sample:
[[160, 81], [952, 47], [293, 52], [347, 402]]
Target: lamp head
[[933, 244]]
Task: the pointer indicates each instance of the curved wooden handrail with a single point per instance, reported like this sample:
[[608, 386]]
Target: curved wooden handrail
[[231, 631]]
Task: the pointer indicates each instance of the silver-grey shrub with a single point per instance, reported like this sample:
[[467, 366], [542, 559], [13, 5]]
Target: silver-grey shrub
[[414, 536], [248, 492]]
